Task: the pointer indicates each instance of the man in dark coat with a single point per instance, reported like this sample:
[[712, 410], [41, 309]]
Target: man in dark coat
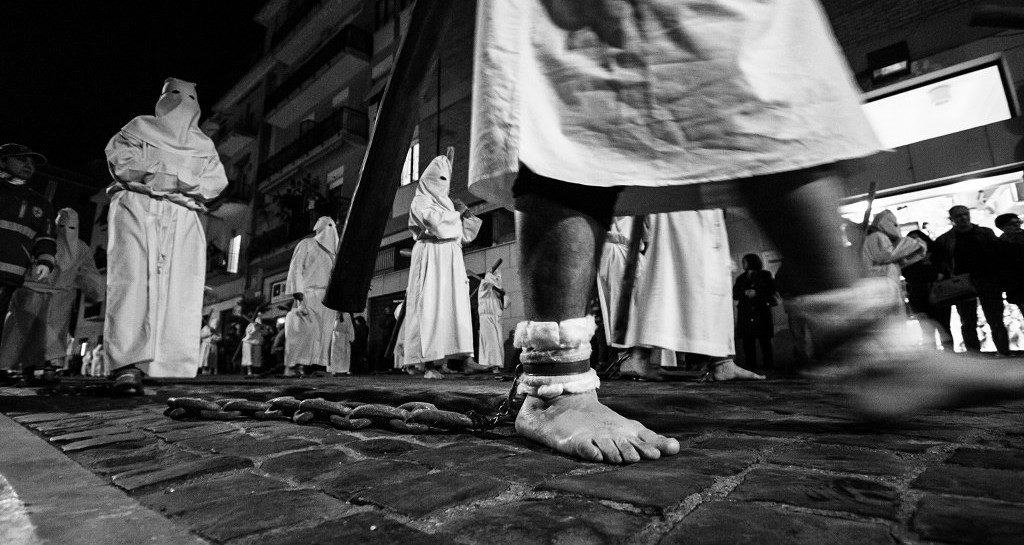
[[970, 249]]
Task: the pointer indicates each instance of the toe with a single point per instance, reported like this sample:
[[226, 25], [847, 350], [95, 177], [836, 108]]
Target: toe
[[647, 451], [666, 445], [588, 450], [609, 451], [627, 451]]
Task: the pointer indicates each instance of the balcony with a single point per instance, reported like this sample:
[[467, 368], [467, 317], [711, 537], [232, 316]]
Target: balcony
[[344, 123], [294, 18], [334, 63], [236, 134]]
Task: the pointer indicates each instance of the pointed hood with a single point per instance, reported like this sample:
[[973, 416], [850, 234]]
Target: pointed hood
[[436, 181], [885, 221], [67, 226], [175, 127], [326, 234]]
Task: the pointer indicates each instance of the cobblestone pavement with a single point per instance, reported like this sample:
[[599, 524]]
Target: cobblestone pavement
[[772, 462]]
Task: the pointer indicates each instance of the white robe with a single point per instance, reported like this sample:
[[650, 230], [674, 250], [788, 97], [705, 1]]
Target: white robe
[[610, 273], [341, 345], [490, 306], [164, 168], [251, 346], [100, 364], [705, 90], [207, 346], [684, 290], [438, 320], [310, 325]]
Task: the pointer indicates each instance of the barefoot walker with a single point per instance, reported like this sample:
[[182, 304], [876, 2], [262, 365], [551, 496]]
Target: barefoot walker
[[583, 110]]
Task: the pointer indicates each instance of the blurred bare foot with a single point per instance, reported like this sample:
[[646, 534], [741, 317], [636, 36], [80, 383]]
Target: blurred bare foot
[[580, 425], [725, 370]]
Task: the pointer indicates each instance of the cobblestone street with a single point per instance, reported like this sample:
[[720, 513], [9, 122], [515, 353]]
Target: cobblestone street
[[772, 462]]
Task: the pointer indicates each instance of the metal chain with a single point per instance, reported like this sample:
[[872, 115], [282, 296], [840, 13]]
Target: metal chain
[[411, 417]]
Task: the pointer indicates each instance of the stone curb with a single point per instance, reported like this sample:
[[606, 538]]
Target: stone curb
[[70, 505]]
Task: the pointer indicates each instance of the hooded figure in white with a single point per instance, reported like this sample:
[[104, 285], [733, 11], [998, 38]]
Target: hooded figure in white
[[438, 322], [309, 326], [885, 248], [35, 331], [491, 304], [208, 339], [341, 345], [164, 169]]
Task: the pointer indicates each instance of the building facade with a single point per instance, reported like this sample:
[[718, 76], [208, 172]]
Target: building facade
[[293, 131]]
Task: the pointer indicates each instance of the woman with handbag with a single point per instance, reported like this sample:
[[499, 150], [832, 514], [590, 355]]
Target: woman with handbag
[[920, 275], [884, 248]]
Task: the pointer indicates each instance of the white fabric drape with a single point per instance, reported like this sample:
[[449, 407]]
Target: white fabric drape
[[653, 93], [684, 291]]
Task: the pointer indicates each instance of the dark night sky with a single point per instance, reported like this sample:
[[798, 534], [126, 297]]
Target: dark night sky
[[72, 72]]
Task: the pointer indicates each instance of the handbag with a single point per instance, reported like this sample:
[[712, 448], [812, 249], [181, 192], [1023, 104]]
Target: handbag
[[951, 290]]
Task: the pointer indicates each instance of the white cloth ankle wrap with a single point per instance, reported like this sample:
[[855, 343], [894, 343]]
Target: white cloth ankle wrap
[[548, 387], [556, 342]]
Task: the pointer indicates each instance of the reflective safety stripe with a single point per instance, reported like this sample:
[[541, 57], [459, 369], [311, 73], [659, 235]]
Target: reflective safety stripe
[[13, 269], [23, 229]]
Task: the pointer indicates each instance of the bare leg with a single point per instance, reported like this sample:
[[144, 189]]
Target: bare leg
[[559, 263]]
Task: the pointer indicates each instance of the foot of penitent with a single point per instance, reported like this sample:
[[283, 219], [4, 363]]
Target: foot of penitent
[[561, 409], [726, 369]]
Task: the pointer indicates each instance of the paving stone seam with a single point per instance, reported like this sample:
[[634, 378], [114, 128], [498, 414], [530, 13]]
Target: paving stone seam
[[672, 516], [432, 522]]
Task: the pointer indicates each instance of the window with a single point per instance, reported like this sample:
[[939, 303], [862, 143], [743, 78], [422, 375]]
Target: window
[[277, 290], [234, 249], [336, 177], [411, 167]]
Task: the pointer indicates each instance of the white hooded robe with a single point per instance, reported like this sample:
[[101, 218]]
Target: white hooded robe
[[684, 290], [164, 168], [491, 305], [309, 326], [341, 345], [36, 327], [438, 321]]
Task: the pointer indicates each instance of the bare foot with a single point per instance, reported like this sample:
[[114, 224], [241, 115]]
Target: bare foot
[[581, 426], [726, 370], [922, 380]]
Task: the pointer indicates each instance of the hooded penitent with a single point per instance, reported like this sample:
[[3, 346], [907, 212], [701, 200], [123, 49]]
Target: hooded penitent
[[326, 234], [437, 320], [491, 304], [164, 169], [310, 324], [883, 250], [175, 127], [40, 311], [886, 222]]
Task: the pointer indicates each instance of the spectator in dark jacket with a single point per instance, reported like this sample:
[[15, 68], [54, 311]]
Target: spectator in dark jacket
[[920, 275], [1013, 257], [756, 295], [973, 250], [27, 243]]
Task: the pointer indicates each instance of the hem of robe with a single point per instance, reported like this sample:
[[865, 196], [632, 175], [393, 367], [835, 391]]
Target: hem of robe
[[659, 196], [181, 370], [410, 361], [704, 348]]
